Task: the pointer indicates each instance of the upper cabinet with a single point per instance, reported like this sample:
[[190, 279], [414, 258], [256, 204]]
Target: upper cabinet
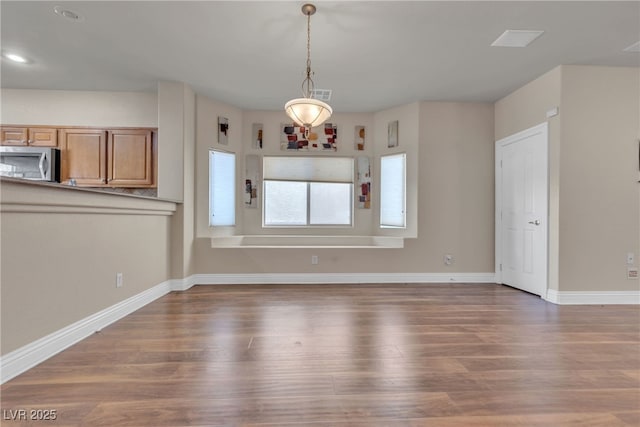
[[108, 157], [95, 157], [35, 136], [130, 158], [84, 154]]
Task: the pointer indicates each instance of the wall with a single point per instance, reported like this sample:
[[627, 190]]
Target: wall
[[79, 108], [176, 168], [599, 216], [523, 109], [409, 142], [450, 128], [252, 220], [171, 120], [55, 257], [593, 199], [456, 212], [61, 249], [207, 113]]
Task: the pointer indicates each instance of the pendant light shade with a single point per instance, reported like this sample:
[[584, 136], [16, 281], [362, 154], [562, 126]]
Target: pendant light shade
[[307, 111]]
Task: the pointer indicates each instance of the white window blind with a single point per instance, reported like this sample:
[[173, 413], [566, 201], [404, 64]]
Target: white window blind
[[393, 190], [222, 188], [308, 191], [309, 169]]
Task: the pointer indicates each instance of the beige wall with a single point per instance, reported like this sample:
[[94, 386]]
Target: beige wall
[[409, 142], [60, 267], [593, 200], [79, 108], [599, 216], [523, 109], [177, 116], [441, 129], [456, 214], [346, 122], [171, 126]]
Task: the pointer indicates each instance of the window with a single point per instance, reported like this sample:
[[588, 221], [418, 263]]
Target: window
[[307, 191], [222, 188], [393, 191]]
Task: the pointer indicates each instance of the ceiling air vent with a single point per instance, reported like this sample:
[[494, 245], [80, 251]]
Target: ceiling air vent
[[321, 94], [633, 48], [516, 38]]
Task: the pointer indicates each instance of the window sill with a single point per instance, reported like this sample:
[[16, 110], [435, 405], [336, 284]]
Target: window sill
[[270, 241]]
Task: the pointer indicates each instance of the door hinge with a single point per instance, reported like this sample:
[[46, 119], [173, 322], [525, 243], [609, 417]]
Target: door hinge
[[500, 267]]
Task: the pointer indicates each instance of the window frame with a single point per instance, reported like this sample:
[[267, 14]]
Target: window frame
[[308, 182], [404, 191], [231, 189]]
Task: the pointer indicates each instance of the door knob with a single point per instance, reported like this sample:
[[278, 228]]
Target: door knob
[[536, 222]]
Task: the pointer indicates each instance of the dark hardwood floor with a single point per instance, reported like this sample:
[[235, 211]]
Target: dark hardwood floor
[[345, 355]]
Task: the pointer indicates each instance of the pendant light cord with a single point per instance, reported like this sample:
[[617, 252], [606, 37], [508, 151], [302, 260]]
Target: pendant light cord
[[306, 91]]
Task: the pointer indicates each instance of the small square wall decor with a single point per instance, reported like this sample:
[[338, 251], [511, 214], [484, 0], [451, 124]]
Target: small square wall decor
[[359, 138], [363, 192], [392, 137], [223, 130], [256, 136]]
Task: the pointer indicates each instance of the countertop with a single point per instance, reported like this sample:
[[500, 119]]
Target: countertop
[[57, 185]]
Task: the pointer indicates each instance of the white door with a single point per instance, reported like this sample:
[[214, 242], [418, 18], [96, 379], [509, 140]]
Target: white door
[[522, 185]]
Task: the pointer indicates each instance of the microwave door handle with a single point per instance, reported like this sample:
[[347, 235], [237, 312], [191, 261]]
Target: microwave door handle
[[43, 166]]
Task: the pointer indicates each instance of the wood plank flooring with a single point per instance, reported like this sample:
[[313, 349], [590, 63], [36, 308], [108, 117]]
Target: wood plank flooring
[[345, 355]]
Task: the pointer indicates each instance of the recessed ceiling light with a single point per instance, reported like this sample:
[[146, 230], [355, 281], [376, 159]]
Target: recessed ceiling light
[[517, 38], [16, 58], [68, 14], [633, 48]]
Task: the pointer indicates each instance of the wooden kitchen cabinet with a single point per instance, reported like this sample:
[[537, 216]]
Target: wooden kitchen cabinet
[[35, 136], [108, 157], [130, 158], [84, 153]]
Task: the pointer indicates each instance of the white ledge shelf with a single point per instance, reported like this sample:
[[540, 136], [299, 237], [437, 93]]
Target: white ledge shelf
[[298, 241]]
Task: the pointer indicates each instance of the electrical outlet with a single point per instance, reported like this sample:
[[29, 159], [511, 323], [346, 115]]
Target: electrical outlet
[[118, 280], [314, 259], [448, 259], [632, 272], [631, 258]]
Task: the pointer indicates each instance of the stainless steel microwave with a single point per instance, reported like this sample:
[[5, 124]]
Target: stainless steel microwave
[[35, 163]]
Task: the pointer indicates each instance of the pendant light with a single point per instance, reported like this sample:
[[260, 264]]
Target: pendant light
[[307, 111]]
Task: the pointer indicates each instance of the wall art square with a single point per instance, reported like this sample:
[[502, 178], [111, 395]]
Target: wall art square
[[359, 135], [294, 137], [251, 173], [392, 134], [223, 130], [256, 136], [363, 192]]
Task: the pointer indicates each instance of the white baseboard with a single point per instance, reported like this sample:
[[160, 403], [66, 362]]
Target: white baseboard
[[183, 284], [30, 355], [593, 298], [319, 278]]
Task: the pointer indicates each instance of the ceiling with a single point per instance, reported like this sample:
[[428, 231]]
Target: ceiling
[[373, 55]]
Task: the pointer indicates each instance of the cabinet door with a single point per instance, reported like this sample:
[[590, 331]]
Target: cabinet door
[[43, 137], [83, 154], [129, 158], [14, 135]]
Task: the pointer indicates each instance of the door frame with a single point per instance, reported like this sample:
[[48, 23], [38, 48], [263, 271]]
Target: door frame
[[542, 128]]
